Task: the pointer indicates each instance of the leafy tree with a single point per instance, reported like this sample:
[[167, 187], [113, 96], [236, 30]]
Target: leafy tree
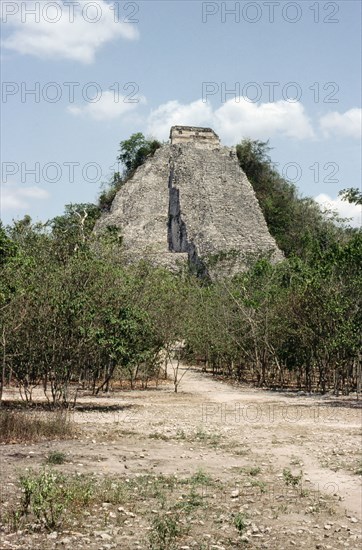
[[7, 247], [297, 223], [73, 229], [352, 195], [135, 150], [109, 192]]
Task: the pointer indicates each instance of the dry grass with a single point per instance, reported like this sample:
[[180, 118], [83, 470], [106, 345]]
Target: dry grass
[[26, 426]]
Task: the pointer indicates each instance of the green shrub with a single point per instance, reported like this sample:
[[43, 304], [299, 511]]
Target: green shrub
[[56, 457], [291, 479], [240, 523], [165, 531], [45, 495]]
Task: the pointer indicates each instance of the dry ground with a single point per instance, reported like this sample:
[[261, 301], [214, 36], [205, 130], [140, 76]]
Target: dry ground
[[213, 467]]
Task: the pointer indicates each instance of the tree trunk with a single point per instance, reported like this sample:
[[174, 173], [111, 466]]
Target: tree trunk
[[3, 367]]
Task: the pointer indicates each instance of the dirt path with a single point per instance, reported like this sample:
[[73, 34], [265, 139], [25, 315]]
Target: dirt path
[[269, 416], [286, 464]]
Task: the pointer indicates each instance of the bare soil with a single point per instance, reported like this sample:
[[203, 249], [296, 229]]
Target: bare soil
[[205, 457]]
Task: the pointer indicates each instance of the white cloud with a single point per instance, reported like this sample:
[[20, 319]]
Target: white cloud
[[343, 208], [109, 106], [348, 124], [173, 113], [234, 120], [66, 38], [13, 197]]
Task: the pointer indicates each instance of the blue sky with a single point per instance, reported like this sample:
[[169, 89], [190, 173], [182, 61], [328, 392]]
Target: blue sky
[[102, 70]]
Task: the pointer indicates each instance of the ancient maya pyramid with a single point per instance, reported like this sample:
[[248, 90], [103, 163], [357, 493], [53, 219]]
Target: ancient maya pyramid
[[191, 204]]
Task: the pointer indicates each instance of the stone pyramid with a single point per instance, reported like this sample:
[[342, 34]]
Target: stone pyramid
[[191, 204]]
